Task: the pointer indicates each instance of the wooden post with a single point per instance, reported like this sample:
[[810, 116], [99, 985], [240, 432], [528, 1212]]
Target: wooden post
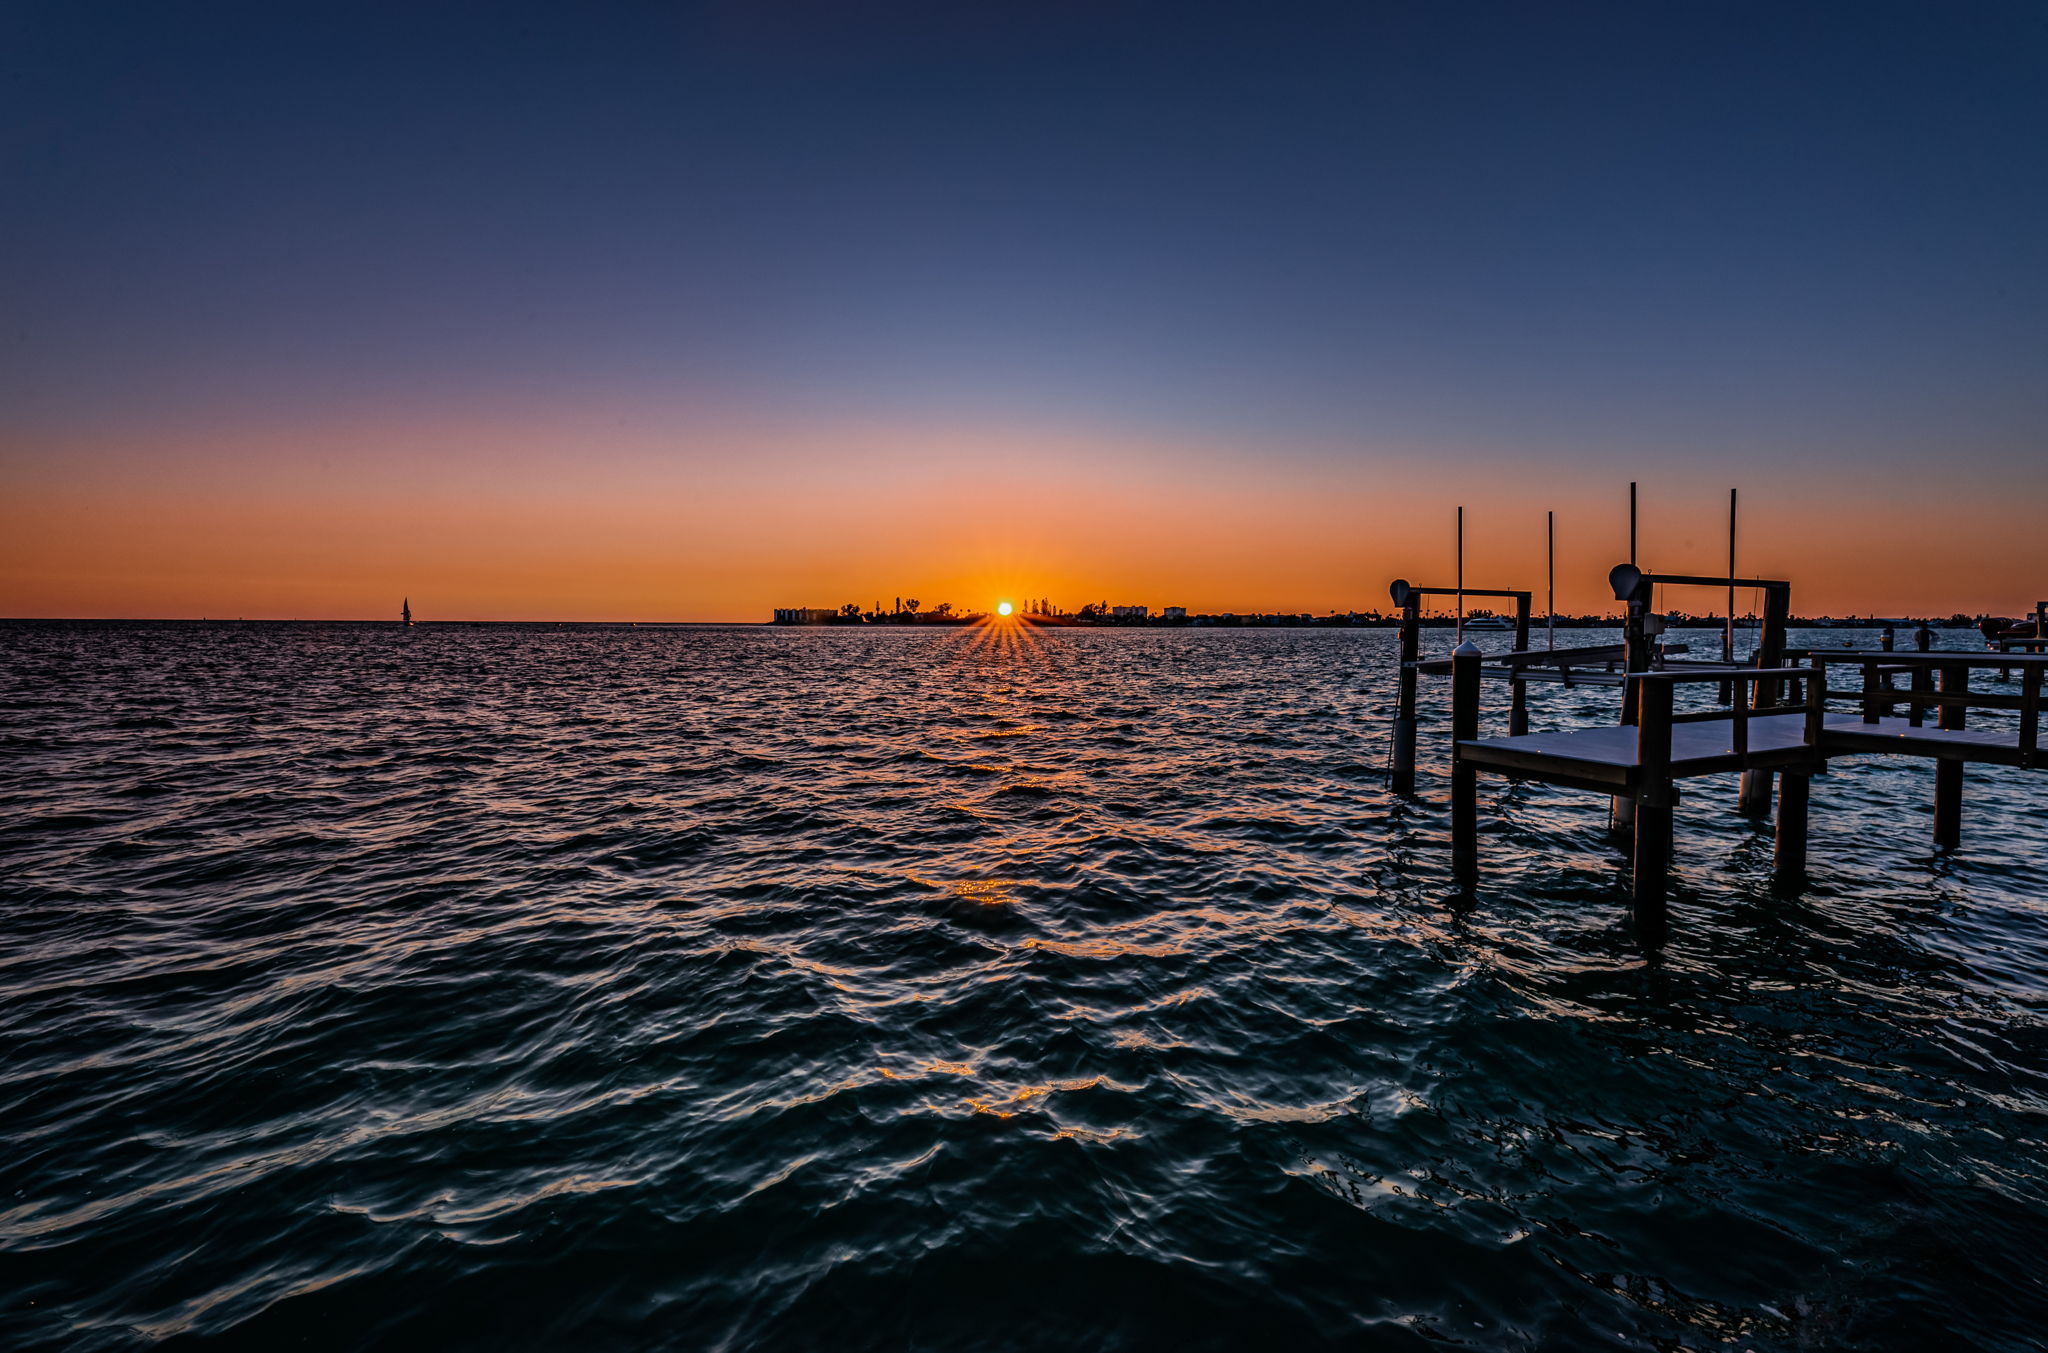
[[1464, 778], [1518, 708], [1793, 789], [2030, 715], [1404, 711], [1621, 817], [1923, 677], [1635, 647], [1817, 711], [1948, 775], [1770, 652], [1653, 792]]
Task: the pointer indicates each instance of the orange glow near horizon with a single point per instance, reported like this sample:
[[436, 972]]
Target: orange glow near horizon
[[573, 518]]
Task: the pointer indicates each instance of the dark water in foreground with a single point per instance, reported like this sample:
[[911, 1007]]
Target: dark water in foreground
[[592, 988]]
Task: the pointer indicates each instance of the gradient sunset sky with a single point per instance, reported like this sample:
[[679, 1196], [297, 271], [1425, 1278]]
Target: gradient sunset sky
[[662, 312]]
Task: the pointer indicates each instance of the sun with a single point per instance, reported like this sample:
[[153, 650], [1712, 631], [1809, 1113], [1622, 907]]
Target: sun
[[1002, 608]]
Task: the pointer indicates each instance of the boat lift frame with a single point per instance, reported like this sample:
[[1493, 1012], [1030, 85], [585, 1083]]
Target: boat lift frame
[[1408, 598]]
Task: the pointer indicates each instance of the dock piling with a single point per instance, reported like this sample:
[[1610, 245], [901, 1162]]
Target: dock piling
[[1404, 712], [1464, 778], [1948, 804], [1770, 652], [1794, 789], [2030, 716], [1948, 775], [1654, 792]]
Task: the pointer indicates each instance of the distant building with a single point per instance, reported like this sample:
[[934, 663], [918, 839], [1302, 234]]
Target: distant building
[[805, 615], [1174, 613], [1130, 612]]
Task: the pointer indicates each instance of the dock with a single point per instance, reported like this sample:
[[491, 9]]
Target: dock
[[1777, 718]]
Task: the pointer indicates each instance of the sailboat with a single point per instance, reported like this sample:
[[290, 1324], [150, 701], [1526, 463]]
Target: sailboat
[[405, 612]]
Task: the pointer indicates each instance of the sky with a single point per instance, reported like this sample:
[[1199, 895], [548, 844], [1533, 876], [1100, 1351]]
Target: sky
[[684, 312]]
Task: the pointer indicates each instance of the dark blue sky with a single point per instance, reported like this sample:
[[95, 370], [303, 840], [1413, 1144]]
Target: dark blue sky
[[1765, 233]]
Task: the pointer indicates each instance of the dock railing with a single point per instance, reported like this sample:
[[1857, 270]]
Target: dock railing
[[1952, 697], [1941, 682], [1743, 709]]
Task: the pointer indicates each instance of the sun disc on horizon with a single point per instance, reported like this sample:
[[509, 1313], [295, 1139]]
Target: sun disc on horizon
[[1002, 608]]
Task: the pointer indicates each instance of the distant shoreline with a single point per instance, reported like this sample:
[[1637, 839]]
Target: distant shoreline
[[1536, 626]]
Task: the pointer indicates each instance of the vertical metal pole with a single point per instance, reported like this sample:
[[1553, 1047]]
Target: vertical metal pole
[[1464, 778], [1404, 711], [1728, 628], [1948, 775], [1459, 634], [1653, 792], [1550, 576], [1632, 522], [1728, 622]]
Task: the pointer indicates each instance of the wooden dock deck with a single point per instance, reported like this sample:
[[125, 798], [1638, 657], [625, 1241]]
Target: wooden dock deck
[[1640, 762], [1610, 757]]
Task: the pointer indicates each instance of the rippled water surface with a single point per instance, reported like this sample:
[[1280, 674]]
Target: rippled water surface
[[751, 988]]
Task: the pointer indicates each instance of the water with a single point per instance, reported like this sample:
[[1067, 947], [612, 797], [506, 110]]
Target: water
[[651, 988]]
